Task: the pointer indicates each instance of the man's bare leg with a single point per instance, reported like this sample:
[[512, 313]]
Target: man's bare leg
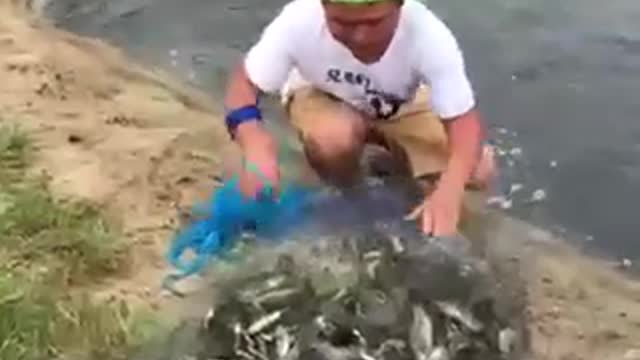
[[333, 147]]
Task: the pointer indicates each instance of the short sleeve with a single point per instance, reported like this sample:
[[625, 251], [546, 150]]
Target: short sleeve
[[442, 66], [269, 61]]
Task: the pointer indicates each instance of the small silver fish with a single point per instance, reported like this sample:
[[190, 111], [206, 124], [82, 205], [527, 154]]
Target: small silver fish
[[365, 356], [396, 244], [439, 353], [269, 283], [243, 354], [361, 340], [421, 333], [460, 314], [262, 346], [275, 295], [372, 255], [267, 337], [284, 342], [275, 281], [207, 318], [321, 322], [515, 188], [264, 322], [340, 294], [251, 344], [256, 351], [397, 344], [328, 351], [456, 339], [372, 267], [237, 336], [538, 195], [458, 342], [506, 340]]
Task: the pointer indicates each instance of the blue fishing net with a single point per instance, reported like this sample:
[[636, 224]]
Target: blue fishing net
[[226, 215]]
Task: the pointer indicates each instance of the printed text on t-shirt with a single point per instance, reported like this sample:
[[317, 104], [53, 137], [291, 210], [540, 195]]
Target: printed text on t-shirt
[[384, 104]]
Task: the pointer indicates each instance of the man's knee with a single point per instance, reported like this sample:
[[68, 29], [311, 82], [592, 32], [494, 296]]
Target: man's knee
[[333, 138], [333, 134]]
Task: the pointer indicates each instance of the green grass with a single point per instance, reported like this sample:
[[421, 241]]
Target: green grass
[[49, 250], [15, 153]]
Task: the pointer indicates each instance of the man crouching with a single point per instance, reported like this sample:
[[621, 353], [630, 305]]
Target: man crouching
[[353, 72]]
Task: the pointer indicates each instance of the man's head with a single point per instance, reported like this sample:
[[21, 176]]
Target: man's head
[[366, 27]]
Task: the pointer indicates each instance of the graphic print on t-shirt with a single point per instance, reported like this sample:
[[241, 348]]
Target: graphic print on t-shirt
[[384, 104]]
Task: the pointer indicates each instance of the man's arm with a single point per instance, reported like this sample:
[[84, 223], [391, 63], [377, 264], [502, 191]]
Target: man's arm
[[465, 134], [241, 92], [264, 68], [453, 101], [442, 67]]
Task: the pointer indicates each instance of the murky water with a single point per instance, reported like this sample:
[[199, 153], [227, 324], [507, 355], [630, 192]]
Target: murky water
[[564, 75]]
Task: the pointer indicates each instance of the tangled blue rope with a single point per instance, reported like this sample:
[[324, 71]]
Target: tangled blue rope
[[226, 215]]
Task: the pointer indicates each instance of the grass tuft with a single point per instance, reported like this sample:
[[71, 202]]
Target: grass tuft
[[15, 151], [49, 249], [71, 238]]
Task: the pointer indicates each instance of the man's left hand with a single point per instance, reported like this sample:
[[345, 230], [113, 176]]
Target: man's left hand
[[440, 212]]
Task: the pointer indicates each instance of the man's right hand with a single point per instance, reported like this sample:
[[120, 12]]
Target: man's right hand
[[259, 153]]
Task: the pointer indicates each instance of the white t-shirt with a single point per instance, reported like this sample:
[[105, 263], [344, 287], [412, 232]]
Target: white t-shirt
[[297, 49]]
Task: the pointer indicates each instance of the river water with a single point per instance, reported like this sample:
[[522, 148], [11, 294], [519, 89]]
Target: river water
[[563, 75]]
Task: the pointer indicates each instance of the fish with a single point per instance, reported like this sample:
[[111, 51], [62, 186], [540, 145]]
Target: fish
[[396, 244], [461, 314], [397, 295], [390, 344], [506, 340], [275, 295], [247, 293], [284, 342], [372, 255], [439, 353], [421, 333], [456, 339], [208, 318], [371, 268], [237, 336], [264, 322], [365, 356]]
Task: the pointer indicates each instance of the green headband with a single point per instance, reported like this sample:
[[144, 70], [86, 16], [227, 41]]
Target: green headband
[[356, 1]]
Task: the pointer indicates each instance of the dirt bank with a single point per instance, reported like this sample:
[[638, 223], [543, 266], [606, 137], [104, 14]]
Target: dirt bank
[[579, 308], [110, 131], [140, 144]]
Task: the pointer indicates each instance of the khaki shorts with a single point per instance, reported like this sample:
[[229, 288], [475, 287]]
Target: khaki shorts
[[415, 135]]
